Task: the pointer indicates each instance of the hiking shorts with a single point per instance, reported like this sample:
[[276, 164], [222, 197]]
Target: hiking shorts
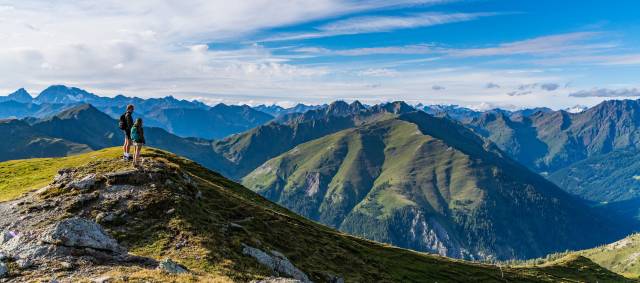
[[127, 134]]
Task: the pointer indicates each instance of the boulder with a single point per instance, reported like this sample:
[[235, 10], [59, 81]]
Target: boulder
[[277, 262], [277, 280], [103, 279], [6, 236], [81, 233], [171, 267], [83, 184], [4, 270], [24, 263], [63, 175]]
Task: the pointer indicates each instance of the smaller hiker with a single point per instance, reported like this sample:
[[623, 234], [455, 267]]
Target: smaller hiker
[[137, 136], [125, 124]]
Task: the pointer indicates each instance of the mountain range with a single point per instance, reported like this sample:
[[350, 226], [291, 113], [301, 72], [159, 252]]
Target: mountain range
[[429, 184], [463, 197], [180, 117]]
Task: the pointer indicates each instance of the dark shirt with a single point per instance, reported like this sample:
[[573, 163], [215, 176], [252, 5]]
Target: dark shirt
[[128, 117]]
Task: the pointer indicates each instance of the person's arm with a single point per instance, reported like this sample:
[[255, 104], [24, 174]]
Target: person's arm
[[142, 136]]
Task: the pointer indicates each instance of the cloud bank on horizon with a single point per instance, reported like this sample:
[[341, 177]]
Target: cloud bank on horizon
[[489, 52]]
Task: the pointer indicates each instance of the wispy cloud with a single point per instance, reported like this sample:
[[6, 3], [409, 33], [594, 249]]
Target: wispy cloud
[[373, 24], [545, 45], [491, 85], [405, 49], [526, 89], [583, 46], [605, 92], [378, 72]]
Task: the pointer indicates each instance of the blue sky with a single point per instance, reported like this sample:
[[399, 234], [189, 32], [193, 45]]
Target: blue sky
[[476, 53]]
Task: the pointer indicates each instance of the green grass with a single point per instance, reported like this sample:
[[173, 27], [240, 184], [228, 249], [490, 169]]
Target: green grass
[[214, 253], [20, 176], [622, 257]]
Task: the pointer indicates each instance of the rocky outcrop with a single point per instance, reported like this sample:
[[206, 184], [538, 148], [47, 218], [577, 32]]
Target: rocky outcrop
[[172, 267], [53, 229], [277, 280], [277, 263], [81, 233]]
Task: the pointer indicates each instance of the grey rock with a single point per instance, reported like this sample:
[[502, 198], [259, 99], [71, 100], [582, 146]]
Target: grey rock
[[83, 184], [103, 279], [26, 245], [63, 175], [3, 256], [105, 217], [171, 267], [277, 262], [236, 226], [66, 265], [81, 233], [24, 263], [4, 270], [171, 211], [6, 236], [277, 280]]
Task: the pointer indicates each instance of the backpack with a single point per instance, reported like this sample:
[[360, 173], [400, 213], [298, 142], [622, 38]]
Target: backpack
[[122, 124], [134, 134]]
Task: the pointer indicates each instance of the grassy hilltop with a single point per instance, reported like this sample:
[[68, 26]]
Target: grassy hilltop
[[216, 222]]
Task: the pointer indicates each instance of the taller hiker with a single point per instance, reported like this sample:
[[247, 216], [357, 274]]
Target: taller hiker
[[125, 124]]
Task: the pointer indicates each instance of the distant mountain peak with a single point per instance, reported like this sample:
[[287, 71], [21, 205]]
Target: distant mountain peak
[[20, 95], [396, 107], [65, 94], [576, 109]]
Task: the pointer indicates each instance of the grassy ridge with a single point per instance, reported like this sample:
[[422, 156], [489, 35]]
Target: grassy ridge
[[214, 253], [21, 176]]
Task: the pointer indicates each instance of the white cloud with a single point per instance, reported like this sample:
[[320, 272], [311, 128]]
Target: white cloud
[[405, 49], [605, 92], [378, 72], [544, 45], [372, 24], [199, 48]]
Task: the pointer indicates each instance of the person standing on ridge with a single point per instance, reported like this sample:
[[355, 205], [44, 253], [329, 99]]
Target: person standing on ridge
[[137, 136], [125, 124]]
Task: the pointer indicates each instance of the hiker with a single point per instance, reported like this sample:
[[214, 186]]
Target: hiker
[[137, 136], [125, 124]]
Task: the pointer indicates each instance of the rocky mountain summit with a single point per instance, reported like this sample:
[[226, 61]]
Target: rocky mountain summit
[[101, 220]]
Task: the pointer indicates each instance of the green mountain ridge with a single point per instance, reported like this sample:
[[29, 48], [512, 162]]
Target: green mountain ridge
[[21, 141], [172, 208], [549, 141], [428, 184], [248, 150]]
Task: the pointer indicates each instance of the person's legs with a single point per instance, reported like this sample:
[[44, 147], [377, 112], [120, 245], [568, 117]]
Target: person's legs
[[126, 146], [136, 156]]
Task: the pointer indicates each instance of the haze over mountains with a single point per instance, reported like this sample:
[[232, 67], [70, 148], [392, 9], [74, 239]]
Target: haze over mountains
[[180, 117], [447, 180]]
